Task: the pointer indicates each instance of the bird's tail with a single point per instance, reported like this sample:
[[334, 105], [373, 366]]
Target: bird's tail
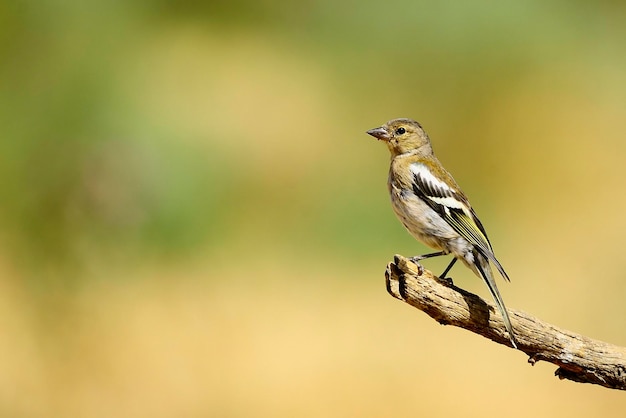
[[481, 264]]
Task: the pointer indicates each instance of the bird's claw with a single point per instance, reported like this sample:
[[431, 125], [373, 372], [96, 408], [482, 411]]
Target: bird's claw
[[416, 260]]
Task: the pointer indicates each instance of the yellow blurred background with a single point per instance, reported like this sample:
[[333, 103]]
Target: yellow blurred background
[[193, 222]]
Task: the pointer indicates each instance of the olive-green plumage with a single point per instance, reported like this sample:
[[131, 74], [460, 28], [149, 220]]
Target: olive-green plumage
[[432, 206]]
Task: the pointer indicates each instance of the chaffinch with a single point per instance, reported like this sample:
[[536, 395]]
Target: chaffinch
[[432, 207]]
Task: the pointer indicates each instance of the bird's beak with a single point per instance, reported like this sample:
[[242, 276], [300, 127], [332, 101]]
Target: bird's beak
[[380, 133]]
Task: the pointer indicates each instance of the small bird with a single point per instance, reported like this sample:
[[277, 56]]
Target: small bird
[[432, 207]]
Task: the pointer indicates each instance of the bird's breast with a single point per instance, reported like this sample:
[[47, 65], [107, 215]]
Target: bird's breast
[[421, 220]]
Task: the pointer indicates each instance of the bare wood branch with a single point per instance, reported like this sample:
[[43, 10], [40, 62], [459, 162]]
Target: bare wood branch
[[580, 358]]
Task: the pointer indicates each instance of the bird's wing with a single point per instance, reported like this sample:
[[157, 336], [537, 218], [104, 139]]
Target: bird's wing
[[454, 208]]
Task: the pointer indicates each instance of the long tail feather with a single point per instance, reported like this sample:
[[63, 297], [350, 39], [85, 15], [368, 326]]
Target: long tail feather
[[491, 256], [482, 265]]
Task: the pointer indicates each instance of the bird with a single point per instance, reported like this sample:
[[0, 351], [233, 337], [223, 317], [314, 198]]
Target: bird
[[433, 208]]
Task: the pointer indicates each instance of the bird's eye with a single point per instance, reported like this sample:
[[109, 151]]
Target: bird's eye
[[400, 131]]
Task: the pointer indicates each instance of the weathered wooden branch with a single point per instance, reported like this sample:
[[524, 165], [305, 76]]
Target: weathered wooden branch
[[580, 358]]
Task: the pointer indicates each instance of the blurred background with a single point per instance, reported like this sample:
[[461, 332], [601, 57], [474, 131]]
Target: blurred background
[[194, 223]]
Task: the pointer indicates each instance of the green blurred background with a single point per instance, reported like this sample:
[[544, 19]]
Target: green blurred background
[[193, 222]]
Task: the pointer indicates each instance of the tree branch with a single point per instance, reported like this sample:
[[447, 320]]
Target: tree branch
[[580, 358]]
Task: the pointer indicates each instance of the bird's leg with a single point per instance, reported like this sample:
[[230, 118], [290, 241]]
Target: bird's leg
[[443, 277], [418, 258], [425, 256]]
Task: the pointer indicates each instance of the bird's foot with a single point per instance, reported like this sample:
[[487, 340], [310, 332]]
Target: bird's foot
[[416, 261], [446, 280]]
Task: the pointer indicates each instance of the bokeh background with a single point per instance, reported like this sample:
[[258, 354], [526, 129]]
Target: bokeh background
[[193, 222]]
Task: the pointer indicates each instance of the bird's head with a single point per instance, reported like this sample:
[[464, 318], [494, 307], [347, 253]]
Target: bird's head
[[403, 136]]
